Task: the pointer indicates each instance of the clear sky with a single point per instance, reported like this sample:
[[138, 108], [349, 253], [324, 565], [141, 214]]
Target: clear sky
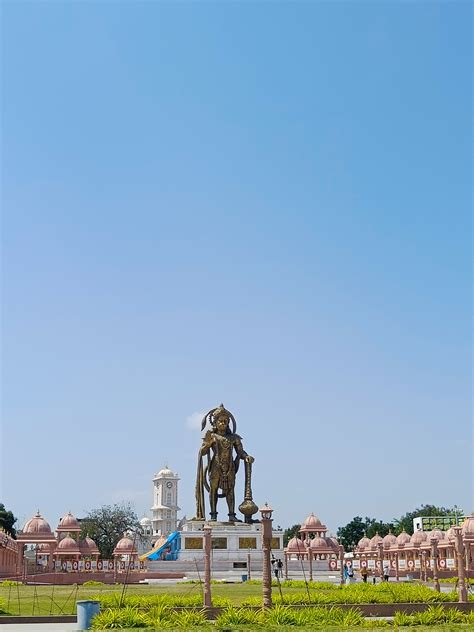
[[266, 204]]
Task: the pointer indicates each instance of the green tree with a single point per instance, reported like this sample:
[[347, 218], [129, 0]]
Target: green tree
[[7, 520], [107, 524], [290, 533], [350, 535], [406, 521]]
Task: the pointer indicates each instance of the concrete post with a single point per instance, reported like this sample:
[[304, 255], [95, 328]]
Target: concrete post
[[249, 575], [397, 574], [207, 566], [380, 556], [459, 547], [310, 558], [341, 562], [266, 513], [434, 557]]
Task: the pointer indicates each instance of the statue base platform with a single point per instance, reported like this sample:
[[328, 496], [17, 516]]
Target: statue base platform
[[231, 542]]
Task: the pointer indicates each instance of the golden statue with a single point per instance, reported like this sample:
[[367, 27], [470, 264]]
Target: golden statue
[[219, 473]]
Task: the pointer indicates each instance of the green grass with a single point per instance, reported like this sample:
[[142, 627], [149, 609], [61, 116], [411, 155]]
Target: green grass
[[45, 600]]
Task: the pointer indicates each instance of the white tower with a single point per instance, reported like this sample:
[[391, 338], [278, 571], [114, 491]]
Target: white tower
[[165, 502]]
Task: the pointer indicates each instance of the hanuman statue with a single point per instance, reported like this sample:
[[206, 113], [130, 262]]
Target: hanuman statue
[[219, 473]]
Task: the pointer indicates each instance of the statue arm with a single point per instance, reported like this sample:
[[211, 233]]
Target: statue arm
[[241, 452], [206, 443]]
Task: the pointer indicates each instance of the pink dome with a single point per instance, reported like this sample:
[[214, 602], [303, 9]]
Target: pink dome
[[468, 527], [68, 545], [437, 534], [295, 545], [363, 543], [332, 542], [403, 537], [312, 521], [375, 540], [449, 534], [389, 540], [88, 546], [318, 543], [418, 538], [37, 525], [125, 546], [68, 523]]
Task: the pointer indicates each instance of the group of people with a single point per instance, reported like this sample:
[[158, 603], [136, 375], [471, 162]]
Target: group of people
[[364, 573], [277, 566]]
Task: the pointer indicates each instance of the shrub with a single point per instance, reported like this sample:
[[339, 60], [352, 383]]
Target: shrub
[[402, 619], [279, 615], [187, 619], [93, 582], [119, 618], [9, 582]]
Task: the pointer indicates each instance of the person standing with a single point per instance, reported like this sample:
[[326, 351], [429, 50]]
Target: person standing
[[364, 573], [386, 570]]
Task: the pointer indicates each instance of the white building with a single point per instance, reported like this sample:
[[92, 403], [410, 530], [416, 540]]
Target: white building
[[165, 502]]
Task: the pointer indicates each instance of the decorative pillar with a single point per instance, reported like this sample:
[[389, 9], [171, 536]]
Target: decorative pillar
[[434, 557], [380, 556], [286, 565], [310, 558], [341, 561], [397, 574], [459, 547], [207, 566], [266, 513], [249, 576]]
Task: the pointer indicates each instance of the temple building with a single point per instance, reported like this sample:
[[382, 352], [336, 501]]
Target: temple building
[[413, 554]]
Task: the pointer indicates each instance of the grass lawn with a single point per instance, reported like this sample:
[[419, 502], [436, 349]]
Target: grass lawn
[[45, 600]]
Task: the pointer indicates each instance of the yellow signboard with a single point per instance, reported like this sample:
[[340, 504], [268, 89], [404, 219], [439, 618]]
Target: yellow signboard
[[247, 543], [193, 543]]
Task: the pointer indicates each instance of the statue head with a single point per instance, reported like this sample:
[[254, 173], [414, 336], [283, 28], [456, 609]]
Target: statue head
[[220, 419]]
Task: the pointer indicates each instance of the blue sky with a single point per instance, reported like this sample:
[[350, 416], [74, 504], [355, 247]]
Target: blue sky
[[265, 204]]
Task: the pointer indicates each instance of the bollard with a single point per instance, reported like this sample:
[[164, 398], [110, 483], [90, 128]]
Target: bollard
[[244, 578], [85, 611]]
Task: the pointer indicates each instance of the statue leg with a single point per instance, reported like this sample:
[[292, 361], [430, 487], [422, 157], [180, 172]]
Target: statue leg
[[213, 499], [231, 505]]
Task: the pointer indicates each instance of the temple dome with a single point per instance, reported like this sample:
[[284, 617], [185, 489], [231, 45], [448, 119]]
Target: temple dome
[[69, 523], [318, 543], [403, 537], [37, 525], [389, 540], [468, 527], [364, 542], [418, 538], [295, 545], [88, 546], [450, 534], [68, 545], [437, 534], [375, 540], [145, 522], [125, 546], [312, 521]]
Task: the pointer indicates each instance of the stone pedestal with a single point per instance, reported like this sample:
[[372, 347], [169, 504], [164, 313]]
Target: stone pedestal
[[231, 542]]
